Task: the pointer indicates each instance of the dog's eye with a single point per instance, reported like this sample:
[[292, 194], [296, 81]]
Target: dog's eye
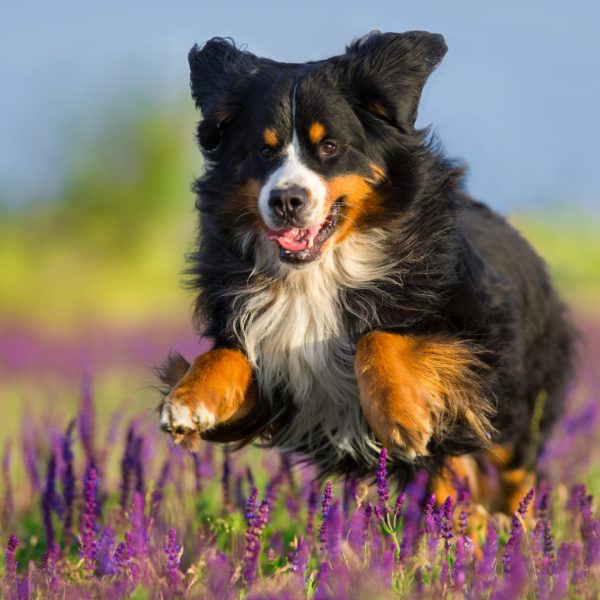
[[266, 151], [328, 148]]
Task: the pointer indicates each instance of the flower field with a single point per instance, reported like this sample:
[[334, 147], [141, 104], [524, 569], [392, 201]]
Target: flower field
[[94, 503]]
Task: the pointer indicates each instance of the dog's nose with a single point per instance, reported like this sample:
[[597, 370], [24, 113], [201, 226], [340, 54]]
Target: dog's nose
[[288, 202]]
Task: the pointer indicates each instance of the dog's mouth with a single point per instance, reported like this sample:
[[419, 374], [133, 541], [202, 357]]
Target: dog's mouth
[[302, 245]]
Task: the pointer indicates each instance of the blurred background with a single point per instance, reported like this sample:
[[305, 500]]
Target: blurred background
[[97, 156]]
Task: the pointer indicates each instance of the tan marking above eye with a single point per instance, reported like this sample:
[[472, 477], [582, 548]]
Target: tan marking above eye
[[316, 132], [270, 138]]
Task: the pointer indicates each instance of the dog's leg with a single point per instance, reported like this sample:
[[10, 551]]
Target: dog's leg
[[414, 388], [218, 387]]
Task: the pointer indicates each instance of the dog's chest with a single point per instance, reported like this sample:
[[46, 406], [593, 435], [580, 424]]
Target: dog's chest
[[296, 339], [295, 334]]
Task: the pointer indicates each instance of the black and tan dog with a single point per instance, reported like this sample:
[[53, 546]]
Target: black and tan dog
[[356, 295]]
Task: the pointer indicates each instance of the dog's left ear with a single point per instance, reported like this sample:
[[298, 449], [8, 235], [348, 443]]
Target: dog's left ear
[[386, 72]]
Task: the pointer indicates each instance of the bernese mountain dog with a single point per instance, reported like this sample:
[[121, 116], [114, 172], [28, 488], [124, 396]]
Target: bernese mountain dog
[[357, 297]]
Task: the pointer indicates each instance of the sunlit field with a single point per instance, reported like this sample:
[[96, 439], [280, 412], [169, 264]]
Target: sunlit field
[[96, 503]]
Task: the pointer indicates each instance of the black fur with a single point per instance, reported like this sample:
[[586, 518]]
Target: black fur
[[467, 273]]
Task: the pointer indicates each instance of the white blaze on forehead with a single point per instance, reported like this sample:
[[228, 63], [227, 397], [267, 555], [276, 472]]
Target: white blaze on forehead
[[294, 173]]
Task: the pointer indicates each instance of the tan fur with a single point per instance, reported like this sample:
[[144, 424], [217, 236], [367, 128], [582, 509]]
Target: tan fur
[[360, 202], [316, 132], [270, 138], [414, 388], [222, 380]]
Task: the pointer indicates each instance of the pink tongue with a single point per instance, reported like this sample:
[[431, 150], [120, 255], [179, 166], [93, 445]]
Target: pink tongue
[[294, 239]]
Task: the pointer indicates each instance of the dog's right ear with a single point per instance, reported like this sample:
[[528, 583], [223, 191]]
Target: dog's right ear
[[214, 69]]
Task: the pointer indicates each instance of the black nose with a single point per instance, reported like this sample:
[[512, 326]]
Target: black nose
[[288, 202]]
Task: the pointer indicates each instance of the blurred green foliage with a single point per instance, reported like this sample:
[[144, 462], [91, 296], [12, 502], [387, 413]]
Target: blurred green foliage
[[110, 249], [112, 246]]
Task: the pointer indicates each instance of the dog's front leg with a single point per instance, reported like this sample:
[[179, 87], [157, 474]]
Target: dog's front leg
[[416, 387], [218, 387]]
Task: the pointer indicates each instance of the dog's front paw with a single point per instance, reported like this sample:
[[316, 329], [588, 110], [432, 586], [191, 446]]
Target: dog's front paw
[[185, 417], [412, 442], [216, 388]]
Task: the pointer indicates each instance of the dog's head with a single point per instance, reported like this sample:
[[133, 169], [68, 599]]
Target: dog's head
[[297, 154]]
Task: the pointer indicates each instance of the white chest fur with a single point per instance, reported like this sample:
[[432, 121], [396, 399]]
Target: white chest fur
[[293, 332]]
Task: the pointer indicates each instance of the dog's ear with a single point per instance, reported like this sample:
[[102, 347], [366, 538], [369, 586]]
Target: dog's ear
[[214, 70], [386, 72]]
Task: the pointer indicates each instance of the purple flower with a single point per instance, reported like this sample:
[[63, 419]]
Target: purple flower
[[139, 528], [462, 552], [120, 560], [463, 501], [256, 519], [445, 522], [106, 544], [49, 566], [484, 573], [251, 506], [131, 465], [525, 502], [218, 577], [359, 526], [331, 531], [428, 512], [10, 560], [23, 587], [49, 500], [543, 511], [383, 491], [590, 530], [125, 570], [300, 556], [399, 504], [561, 581], [89, 543], [415, 492], [68, 480], [430, 528], [172, 552], [323, 580], [325, 507], [366, 522]]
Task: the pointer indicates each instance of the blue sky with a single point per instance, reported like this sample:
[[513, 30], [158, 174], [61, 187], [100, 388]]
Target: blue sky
[[517, 95]]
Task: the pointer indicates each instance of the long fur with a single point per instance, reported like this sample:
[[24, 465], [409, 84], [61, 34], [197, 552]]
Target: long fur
[[431, 262]]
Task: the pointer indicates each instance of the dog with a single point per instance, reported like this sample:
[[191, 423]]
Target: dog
[[357, 297]]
